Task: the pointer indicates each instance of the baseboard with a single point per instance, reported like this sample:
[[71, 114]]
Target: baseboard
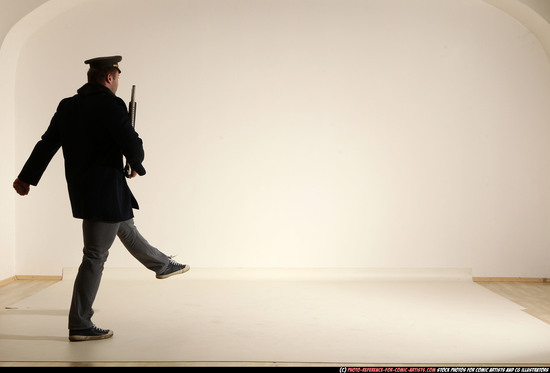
[[511, 279], [25, 277], [7, 281], [42, 278]]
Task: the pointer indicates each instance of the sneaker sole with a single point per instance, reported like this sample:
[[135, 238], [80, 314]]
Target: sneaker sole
[[161, 277], [82, 338]]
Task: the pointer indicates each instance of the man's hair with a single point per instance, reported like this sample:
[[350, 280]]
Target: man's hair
[[99, 75]]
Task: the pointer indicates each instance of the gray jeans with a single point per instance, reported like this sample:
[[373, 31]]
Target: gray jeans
[[98, 238]]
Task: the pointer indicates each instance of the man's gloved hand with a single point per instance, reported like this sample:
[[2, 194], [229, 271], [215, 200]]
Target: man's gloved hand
[[21, 187]]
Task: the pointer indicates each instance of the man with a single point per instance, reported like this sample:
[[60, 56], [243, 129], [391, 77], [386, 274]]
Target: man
[[95, 132]]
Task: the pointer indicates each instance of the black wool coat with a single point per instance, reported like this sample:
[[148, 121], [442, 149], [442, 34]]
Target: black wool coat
[[94, 130]]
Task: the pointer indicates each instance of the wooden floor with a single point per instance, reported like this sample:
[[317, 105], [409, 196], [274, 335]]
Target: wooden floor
[[17, 290], [533, 296]]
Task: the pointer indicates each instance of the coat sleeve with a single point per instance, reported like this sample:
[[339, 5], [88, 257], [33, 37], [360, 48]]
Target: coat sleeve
[[42, 154]]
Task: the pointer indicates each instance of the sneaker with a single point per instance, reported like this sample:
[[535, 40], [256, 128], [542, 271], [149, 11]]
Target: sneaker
[[89, 334], [174, 268]]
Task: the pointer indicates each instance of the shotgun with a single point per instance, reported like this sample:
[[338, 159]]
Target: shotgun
[[132, 110]]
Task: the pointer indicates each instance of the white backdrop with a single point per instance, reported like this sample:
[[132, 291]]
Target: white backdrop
[[279, 133]]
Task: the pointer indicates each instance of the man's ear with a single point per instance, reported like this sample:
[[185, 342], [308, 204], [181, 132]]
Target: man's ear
[[109, 78]]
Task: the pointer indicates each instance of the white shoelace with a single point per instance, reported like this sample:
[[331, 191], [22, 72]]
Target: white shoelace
[[172, 261]]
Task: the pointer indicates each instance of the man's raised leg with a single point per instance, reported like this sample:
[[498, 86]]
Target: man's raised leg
[[152, 258]]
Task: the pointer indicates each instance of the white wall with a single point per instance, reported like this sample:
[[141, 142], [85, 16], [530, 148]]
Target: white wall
[[12, 11], [19, 30], [308, 134]]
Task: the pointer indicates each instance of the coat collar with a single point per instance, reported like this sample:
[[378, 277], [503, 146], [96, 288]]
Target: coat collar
[[93, 88]]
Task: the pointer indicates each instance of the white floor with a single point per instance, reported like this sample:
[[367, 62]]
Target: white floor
[[281, 316]]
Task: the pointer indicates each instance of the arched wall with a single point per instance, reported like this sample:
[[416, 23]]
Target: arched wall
[[307, 134], [10, 49]]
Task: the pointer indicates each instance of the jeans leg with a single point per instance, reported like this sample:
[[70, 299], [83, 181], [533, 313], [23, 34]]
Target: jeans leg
[[98, 238], [138, 246]]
